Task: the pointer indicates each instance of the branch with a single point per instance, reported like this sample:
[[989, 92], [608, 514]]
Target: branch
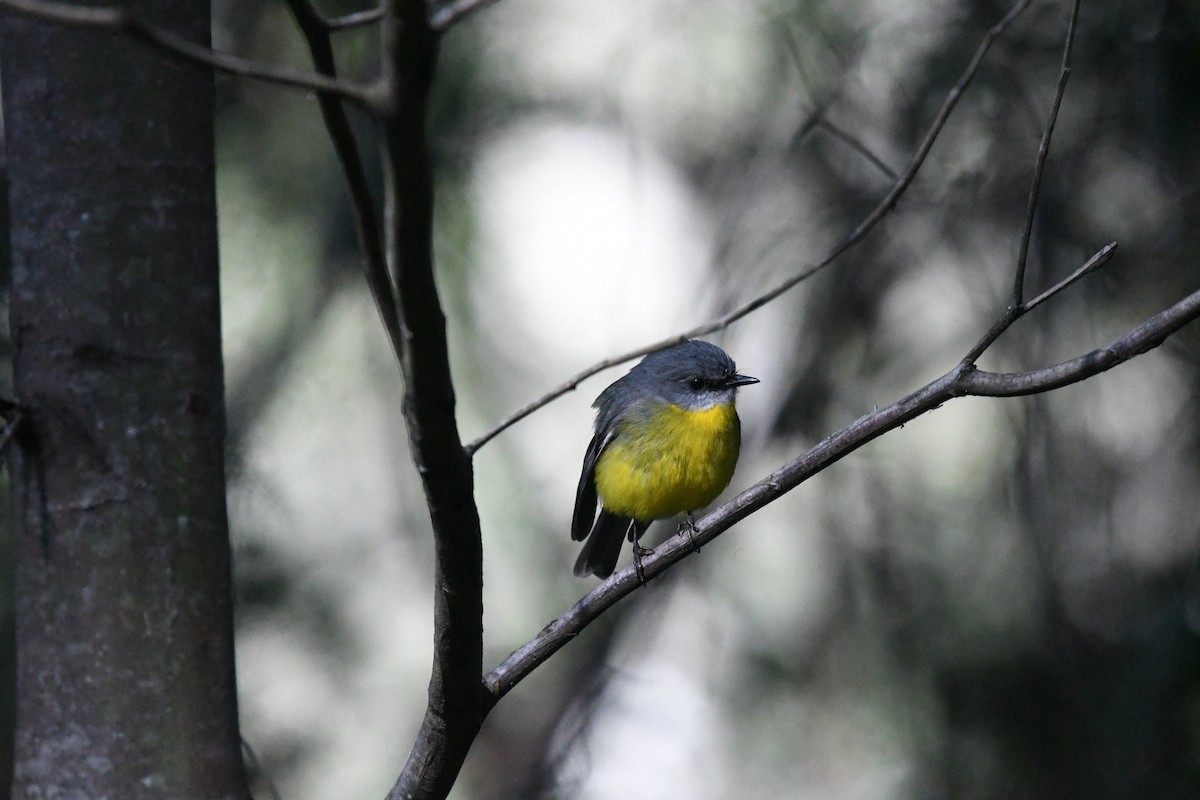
[[316, 32], [856, 145], [13, 422], [455, 12], [454, 711], [1040, 163], [884, 207], [1102, 257], [962, 381], [1017, 307], [354, 19], [1013, 313], [121, 20]]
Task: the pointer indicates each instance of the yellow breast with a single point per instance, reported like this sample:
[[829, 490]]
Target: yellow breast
[[670, 462]]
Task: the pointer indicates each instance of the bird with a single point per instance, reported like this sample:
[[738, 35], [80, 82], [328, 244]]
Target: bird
[[666, 441]]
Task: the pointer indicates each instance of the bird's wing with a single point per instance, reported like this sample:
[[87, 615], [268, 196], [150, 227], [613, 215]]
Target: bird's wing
[[585, 495]]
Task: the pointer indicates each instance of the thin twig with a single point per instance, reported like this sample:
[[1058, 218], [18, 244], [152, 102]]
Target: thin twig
[[857, 146], [1102, 257], [963, 380], [455, 12], [1013, 313], [366, 215], [14, 422], [256, 762], [817, 117], [1017, 307], [120, 20], [881, 210], [1018, 294], [355, 19]]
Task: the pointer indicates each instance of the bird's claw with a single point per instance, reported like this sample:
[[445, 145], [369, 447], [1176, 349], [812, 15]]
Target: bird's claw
[[639, 553], [689, 525]]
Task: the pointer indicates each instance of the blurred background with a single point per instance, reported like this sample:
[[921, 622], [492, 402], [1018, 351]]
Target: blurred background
[[999, 600]]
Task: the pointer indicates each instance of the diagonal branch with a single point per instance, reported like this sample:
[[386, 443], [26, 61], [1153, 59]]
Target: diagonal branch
[[121, 20], [12, 423], [1102, 257], [1013, 313], [961, 381], [316, 32], [881, 210], [855, 144], [454, 12], [1017, 308], [1039, 168], [354, 19]]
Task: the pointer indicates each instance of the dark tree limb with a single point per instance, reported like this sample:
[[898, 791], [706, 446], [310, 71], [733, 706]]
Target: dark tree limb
[[455, 710], [881, 210]]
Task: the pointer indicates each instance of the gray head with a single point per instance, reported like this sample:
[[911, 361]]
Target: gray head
[[692, 375]]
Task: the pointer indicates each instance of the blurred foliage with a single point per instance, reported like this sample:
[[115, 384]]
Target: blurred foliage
[[999, 600]]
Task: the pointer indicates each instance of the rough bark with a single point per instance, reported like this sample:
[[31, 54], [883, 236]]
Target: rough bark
[[124, 626]]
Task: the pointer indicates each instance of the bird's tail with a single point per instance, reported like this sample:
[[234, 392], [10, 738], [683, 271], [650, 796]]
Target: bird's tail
[[603, 545]]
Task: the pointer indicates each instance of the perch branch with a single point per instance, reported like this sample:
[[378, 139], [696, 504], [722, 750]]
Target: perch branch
[[962, 381]]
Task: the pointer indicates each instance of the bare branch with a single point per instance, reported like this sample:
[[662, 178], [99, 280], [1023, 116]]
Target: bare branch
[[1013, 313], [120, 20], [454, 709], [963, 380], [856, 145], [1145, 337], [1017, 307], [13, 423], [1102, 257], [258, 767], [366, 216], [354, 19], [569, 385], [884, 207], [454, 12], [1018, 294]]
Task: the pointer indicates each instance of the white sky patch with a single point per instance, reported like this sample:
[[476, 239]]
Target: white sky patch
[[589, 242]]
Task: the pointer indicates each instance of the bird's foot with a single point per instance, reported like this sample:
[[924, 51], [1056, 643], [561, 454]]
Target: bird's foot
[[689, 525], [639, 553]]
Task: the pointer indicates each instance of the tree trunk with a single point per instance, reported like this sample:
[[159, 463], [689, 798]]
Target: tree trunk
[[125, 676]]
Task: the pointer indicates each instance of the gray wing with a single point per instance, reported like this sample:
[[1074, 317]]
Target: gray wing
[[607, 423], [585, 495]]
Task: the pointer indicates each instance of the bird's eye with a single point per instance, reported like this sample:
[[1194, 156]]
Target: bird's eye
[[696, 383]]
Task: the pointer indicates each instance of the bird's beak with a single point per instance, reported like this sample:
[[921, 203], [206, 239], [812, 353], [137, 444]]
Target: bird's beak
[[739, 380]]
